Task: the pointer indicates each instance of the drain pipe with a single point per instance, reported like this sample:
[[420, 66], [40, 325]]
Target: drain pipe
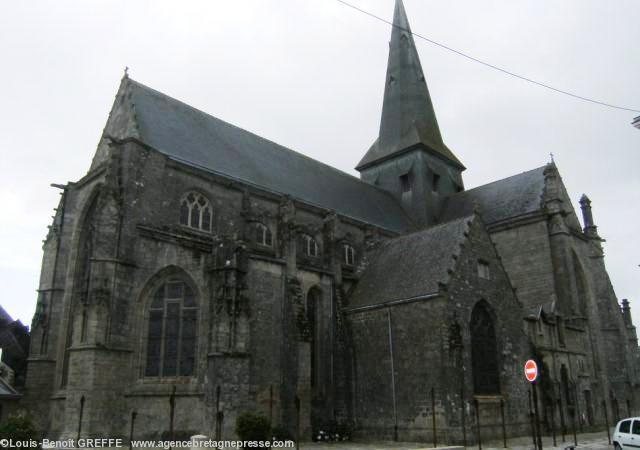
[[393, 379]]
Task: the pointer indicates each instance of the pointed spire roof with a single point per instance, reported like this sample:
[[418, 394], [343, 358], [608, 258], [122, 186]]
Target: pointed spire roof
[[408, 118]]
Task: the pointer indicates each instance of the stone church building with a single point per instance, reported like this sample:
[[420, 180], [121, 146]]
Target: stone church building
[[200, 268]]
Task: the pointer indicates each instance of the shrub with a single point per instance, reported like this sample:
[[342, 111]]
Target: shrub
[[18, 427], [253, 427]]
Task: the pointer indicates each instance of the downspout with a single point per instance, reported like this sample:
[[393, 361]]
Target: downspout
[[393, 379]]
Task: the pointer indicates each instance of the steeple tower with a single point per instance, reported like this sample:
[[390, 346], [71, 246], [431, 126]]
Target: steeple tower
[[409, 140]]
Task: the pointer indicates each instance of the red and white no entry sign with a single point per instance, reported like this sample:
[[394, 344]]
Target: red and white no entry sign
[[531, 370]]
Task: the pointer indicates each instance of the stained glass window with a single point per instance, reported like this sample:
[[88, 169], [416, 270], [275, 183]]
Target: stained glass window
[[171, 338], [484, 352]]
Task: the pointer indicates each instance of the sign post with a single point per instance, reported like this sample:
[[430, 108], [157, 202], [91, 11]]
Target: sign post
[[531, 374]]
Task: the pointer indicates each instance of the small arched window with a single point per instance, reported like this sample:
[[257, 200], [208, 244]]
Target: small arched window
[[349, 255], [264, 236], [195, 212], [310, 246], [171, 338]]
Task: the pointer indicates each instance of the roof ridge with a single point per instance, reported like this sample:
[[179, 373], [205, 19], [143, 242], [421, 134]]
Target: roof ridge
[[341, 172], [501, 180], [465, 218]]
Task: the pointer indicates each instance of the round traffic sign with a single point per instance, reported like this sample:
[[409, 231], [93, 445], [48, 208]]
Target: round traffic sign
[[531, 371]]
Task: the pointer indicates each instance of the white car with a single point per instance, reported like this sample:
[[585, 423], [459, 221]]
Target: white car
[[627, 434]]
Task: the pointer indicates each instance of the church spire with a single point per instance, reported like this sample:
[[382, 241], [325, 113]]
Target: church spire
[[408, 117]]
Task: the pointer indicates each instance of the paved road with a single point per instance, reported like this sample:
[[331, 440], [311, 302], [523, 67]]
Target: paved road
[[591, 441]]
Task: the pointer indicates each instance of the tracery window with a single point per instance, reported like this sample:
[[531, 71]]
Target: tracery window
[[263, 235], [195, 212], [484, 351], [349, 255], [171, 338], [310, 246]]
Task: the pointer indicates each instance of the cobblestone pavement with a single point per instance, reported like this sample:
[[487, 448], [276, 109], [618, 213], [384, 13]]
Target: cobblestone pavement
[[592, 441]]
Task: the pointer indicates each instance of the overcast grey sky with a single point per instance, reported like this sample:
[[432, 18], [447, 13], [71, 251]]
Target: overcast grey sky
[[309, 74]]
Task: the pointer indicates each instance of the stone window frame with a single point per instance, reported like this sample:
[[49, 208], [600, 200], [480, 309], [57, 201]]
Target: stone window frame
[[263, 235], [311, 246], [483, 314], [484, 270], [348, 254], [202, 220], [167, 300]]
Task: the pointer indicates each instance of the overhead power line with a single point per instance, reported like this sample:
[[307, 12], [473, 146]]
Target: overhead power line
[[484, 63]]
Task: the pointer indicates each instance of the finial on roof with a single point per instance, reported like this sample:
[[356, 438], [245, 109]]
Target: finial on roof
[[126, 71], [551, 155], [590, 229]]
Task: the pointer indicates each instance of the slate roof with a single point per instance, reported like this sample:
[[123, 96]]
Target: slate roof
[[193, 137], [408, 118], [5, 318], [410, 266], [501, 200]]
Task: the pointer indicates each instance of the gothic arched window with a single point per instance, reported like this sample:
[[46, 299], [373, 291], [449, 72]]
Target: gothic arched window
[[349, 255], [484, 351], [195, 212], [171, 338], [310, 246], [263, 235]]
